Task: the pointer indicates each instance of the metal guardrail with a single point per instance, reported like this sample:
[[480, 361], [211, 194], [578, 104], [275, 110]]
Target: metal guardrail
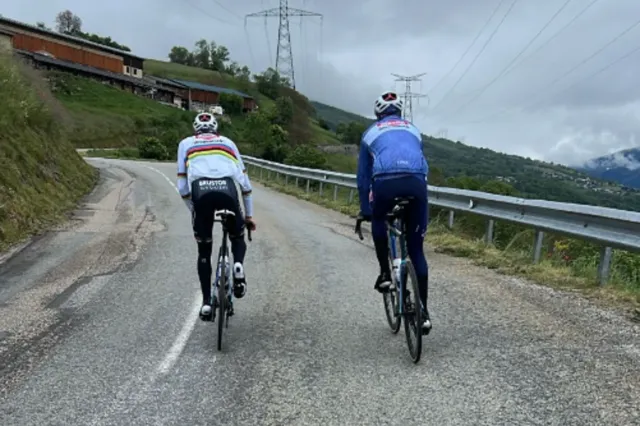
[[608, 227]]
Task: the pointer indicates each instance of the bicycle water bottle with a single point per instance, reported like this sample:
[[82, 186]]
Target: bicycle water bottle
[[396, 269]]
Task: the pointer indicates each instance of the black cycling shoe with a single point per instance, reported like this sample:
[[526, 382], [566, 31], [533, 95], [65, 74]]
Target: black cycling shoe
[[239, 289], [383, 283]]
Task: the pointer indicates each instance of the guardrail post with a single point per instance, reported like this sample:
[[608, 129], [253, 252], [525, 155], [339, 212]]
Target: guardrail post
[[450, 221], [286, 180], [335, 192], [537, 246], [488, 236], [604, 266], [321, 183], [308, 185], [261, 170], [350, 196]]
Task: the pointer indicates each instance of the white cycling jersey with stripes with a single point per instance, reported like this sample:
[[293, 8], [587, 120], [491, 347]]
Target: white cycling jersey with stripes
[[209, 155]]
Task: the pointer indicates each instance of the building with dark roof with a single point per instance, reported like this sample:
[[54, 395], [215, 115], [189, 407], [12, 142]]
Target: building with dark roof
[[206, 94], [73, 49], [134, 85]]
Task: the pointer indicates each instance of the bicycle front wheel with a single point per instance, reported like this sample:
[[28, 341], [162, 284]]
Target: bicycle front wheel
[[412, 311]]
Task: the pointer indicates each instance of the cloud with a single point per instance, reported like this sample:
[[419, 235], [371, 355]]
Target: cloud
[[540, 108]]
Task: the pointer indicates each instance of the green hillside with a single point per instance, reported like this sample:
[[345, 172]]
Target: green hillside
[[304, 126], [42, 175]]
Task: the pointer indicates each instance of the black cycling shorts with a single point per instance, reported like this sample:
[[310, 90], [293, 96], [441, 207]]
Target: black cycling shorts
[[209, 195]]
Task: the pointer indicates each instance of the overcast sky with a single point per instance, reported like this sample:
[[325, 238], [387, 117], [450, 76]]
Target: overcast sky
[[538, 109]]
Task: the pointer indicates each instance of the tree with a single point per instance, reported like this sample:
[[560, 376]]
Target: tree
[[233, 69], [323, 124], [219, 56], [180, 55], [351, 133], [42, 25], [202, 54], [283, 113], [68, 23], [269, 83]]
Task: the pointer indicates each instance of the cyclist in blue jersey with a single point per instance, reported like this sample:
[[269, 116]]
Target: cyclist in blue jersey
[[391, 164]]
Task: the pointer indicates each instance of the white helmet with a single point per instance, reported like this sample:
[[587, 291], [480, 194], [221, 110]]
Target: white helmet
[[205, 122], [386, 101]]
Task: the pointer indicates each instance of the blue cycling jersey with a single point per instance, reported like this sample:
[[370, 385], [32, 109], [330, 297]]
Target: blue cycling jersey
[[390, 147]]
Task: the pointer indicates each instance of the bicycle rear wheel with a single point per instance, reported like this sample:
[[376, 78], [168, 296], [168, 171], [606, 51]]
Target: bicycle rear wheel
[[412, 311], [222, 299], [390, 298]]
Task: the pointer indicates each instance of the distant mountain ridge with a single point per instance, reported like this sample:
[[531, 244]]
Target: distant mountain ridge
[[622, 167]]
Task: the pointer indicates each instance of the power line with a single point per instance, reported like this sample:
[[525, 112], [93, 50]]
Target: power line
[[504, 70], [568, 72], [266, 37], [408, 95], [204, 12], [600, 71], [223, 7], [554, 36], [284, 54], [478, 54], [486, 24]]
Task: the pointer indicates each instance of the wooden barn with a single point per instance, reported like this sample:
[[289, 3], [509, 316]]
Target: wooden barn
[[33, 39], [204, 94]]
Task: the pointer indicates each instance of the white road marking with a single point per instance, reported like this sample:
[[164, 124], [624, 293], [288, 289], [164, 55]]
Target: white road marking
[[181, 341], [163, 175]]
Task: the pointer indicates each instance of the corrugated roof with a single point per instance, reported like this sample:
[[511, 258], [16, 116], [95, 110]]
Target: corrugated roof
[[34, 28], [165, 81], [208, 88], [79, 67]]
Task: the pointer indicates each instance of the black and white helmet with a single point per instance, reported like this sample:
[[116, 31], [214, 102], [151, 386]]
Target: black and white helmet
[[387, 103], [205, 123]]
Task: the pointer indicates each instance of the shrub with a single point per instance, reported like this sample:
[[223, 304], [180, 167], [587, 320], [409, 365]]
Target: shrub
[[150, 147]]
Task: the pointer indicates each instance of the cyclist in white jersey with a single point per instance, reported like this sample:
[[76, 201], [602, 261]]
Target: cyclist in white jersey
[[209, 165]]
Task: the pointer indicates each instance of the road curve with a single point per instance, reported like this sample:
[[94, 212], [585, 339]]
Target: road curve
[[98, 327]]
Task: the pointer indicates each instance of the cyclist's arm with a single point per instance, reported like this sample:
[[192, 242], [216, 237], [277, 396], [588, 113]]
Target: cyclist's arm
[[245, 184], [365, 166], [183, 183]]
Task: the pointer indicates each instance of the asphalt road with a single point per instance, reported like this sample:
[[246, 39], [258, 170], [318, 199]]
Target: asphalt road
[[98, 326]]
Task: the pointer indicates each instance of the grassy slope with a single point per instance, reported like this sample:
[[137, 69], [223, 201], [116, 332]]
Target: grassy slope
[[106, 117], [318, 135], [42, 175]]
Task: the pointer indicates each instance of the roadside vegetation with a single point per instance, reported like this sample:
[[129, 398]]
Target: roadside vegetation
[[42, 176]]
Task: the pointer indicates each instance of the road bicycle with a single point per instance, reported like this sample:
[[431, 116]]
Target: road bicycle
[[221, 290], [398, 301]]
